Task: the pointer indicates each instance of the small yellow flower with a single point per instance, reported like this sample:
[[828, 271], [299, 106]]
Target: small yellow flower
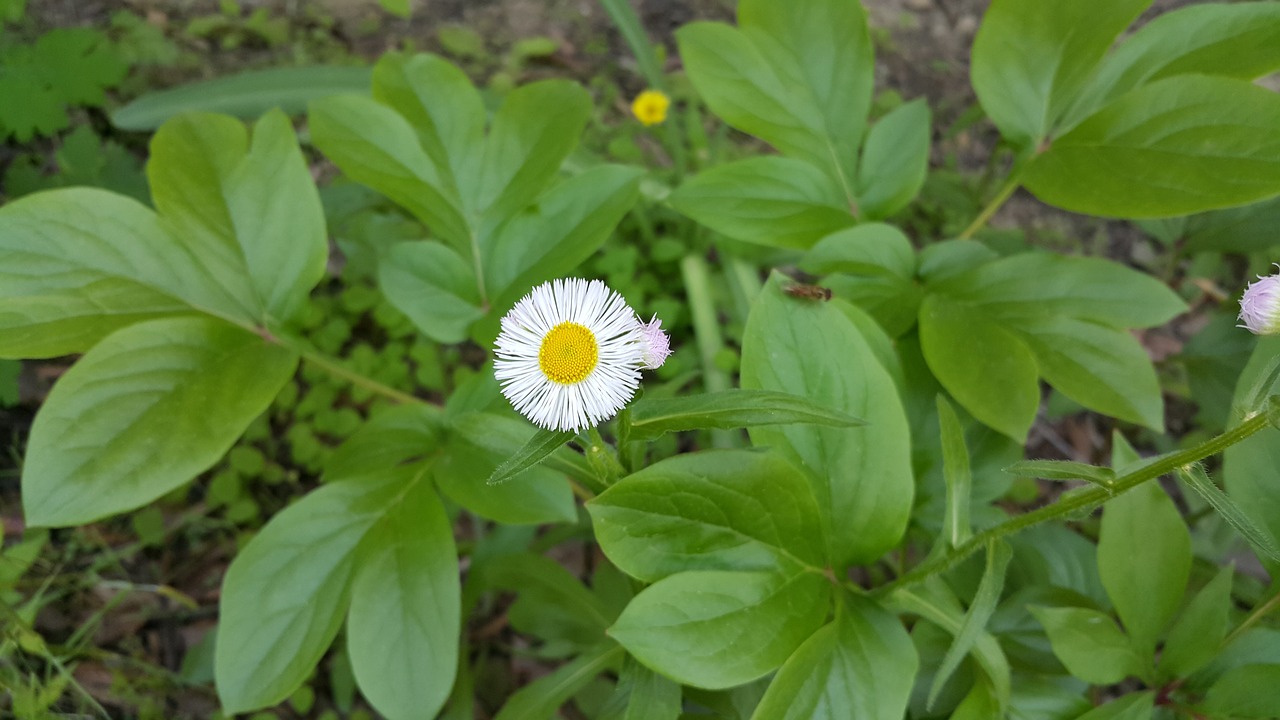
[[650, 107]]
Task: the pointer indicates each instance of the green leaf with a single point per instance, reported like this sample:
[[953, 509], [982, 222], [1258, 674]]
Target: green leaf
[[858, 667], [935, 603], [861, 477], [1134, 706], [445, 110], [395, 436], [531, 135], [1248, 691], [1165, 149], [1063, 470], [703, 628], [503, 436], [433, 286], [712, 510], [728, 409], [643, 694], [989, 332], [872, 249], [9, 391], [542, 444], [1197, 479], [405, 615], [1031, 59], [65, 66], [377, 147], [776, 201], [1239, 41], [894, 161], [540, 699], [143, 412], [958, 476], [1240, 230], [399, 8], [979, 704], [247, 207], [559, 232], [1196, 637], [801, 80], [975, 620], [245, 95], [1144, 558], [1089, 644], [1251, 468], [78, 264], [284, 595], [987, 369], [551, 604]]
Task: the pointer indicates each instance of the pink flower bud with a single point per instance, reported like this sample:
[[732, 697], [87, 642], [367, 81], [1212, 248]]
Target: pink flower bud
[[657, 346], [1260, 306]]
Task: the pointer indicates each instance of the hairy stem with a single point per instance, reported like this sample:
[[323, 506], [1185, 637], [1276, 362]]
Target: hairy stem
[[1084, 500]]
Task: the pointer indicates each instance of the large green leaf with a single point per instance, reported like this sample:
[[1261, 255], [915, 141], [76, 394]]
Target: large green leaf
[[704, 628], [861, 477], [1089, 644], [1180, 145], [1144, 558], [405, 615], [799, 78], [990, 332], [1240, 230], [874, 266], [444, 108], [1032, 57], [559, 232], [986, 368], [1232, 40], [1248, 691], [775, 201], [246, 206], [78, 264], [285, 594], [714, 510], [143, 412], [433, 286], [375, 146], [531, 135], [894, 161], [1251, 468], [859, 667]]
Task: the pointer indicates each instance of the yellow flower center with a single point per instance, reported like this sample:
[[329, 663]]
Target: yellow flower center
[[568, 354]]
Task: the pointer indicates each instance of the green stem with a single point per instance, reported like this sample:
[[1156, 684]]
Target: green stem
[[601, 456], [1086, 499], [706, 331], [1258, 613], [1010, 184], [334, 368]]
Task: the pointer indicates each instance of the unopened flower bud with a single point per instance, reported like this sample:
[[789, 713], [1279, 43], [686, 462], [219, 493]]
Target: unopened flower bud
[[1260, 306]]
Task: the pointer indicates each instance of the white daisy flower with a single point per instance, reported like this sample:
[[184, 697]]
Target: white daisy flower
[[569, 354]]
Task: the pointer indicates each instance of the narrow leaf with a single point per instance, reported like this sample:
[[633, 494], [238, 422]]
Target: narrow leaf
[[540, 699], [245, 95], [975, 620], [958, 476], [542, 444], [1196, 637], [1197, 479], [1063, 470], [727, 409]]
